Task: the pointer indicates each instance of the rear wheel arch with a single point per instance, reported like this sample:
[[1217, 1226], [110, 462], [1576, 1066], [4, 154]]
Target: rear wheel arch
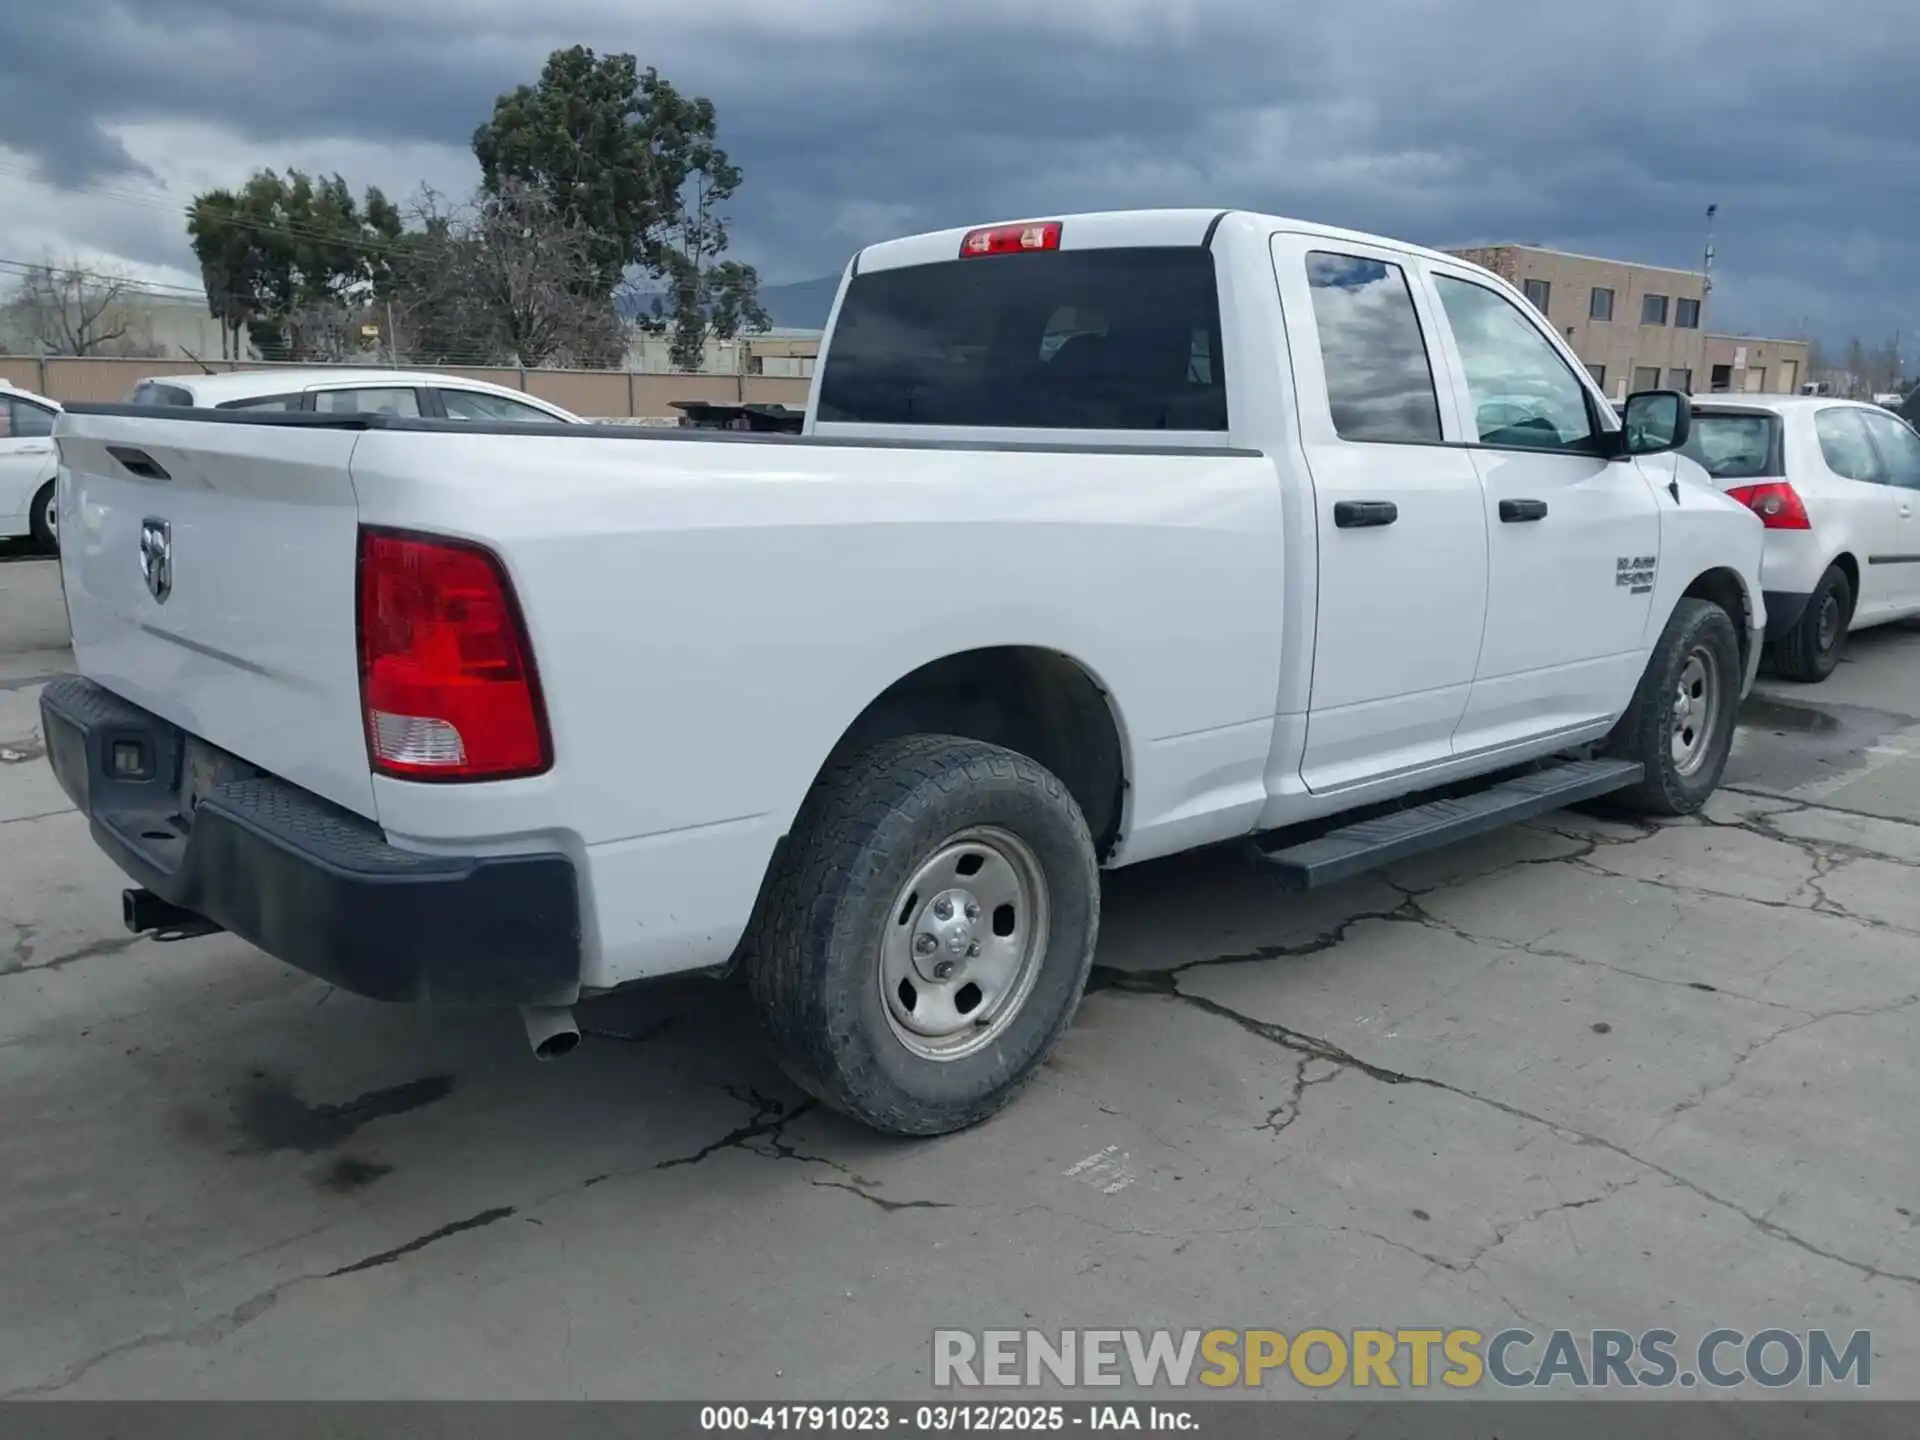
[[1034, 700]]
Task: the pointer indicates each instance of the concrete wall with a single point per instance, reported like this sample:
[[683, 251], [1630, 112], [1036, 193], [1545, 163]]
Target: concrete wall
[[609, 394], [1751, 364], [1620, 347]]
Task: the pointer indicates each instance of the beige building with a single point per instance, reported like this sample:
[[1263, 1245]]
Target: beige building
[[1637, 327], [1753, 365]]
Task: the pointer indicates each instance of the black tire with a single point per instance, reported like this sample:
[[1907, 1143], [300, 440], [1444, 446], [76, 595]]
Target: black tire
[[40, 519], [1646, 733], [1811, 650], [814, 966]]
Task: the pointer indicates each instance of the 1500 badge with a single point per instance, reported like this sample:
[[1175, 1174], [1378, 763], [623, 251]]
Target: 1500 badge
[[1635, 572]]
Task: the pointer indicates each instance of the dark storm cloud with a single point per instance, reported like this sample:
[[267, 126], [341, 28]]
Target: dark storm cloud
[[1607, 129]]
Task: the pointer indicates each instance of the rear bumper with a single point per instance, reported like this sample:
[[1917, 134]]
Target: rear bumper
[[1784, 608], [309, 883]]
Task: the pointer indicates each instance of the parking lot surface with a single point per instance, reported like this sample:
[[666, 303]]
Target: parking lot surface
[[1582, 1074]]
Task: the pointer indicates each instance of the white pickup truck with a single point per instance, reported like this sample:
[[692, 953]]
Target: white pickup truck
[[1110, 536]]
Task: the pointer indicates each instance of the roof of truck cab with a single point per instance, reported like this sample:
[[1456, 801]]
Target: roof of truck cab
[[245, 384], [1170, 227]]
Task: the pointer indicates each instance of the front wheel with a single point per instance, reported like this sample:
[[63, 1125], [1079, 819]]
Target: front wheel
[[44, 518], [929, 935], [1680, 724]]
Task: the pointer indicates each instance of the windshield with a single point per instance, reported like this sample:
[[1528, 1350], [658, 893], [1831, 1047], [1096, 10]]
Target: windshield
[[1733, 447]]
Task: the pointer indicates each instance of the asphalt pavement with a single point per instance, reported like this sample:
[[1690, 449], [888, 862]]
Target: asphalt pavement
[[1581, 1074]]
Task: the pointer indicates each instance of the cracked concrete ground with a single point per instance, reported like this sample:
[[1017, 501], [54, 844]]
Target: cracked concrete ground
[[1581, 1074]]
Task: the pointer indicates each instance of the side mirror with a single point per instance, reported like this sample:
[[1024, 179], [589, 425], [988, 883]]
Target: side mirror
[[1653, 422]]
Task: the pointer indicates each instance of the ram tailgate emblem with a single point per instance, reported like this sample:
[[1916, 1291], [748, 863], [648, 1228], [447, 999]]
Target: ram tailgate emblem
[[156, 557]]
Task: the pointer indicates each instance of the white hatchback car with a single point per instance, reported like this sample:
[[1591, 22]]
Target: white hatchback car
[[27, 466], [333, 390], [1836, 483]]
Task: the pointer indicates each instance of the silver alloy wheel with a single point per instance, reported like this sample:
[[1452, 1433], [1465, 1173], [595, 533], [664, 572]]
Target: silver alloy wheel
[[965, 942], [50, 513], [1696, 711]]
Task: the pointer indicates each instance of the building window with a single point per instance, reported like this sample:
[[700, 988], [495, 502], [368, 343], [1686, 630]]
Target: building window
[[1600, 306], [1653, 309], [1721, 378], [1538, 292], [1599, 374], [1681, 380], [1646, 377], [1686, 314]]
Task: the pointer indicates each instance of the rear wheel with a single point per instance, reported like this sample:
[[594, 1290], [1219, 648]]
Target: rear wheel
[[44, 518], [1812, 648], [928, 937], [1680, 724]]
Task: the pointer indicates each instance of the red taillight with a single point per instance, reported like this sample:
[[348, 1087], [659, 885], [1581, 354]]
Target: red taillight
[[1011, 239], [1776, 503], [447, 684]]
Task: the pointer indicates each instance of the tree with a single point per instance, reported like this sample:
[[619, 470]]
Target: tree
[[70, 310], [505, 279], [707, 297], [290, 259], [636, 165]]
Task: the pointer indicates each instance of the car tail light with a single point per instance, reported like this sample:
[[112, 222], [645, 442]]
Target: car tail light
[[1011, 239], [1776, 503], [447, 684]]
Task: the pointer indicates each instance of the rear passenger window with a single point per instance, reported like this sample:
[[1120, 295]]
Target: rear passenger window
[[1125, 339], [1379, 379], [1844, 446], [367, 402], [262, 402]]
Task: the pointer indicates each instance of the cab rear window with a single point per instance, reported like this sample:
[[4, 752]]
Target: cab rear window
[[1124, 339], [148, 393]]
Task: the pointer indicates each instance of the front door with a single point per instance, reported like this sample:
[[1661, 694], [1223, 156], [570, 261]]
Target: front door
[[1861, 488], [1573, 538], [1402, 535]]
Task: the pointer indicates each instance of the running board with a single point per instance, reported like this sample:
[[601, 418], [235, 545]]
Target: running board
[[1369, 844]]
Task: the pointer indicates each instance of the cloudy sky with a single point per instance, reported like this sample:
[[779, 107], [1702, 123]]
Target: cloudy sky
[[1605, 128]]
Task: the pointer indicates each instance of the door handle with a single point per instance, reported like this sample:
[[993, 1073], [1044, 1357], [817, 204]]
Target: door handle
[[1518, 512], [1905, 508], [1361, 514], [46, 449]]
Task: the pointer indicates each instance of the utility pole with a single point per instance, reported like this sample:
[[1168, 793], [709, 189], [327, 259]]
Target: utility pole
[[1706, 266]]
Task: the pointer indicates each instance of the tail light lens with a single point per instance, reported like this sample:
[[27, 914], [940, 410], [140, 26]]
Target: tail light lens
[[1011, 239], [1776, 503], [447, 684]]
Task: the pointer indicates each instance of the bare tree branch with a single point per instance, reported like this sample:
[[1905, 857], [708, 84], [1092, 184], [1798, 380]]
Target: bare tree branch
[[70, 310]]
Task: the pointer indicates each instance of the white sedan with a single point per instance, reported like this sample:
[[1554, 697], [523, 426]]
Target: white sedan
[[1836, 483], [333, 390], [27, 466]]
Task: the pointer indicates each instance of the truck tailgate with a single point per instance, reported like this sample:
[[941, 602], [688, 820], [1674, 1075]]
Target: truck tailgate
[[209, 569]]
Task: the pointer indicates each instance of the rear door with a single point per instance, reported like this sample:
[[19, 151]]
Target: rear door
[[1858, 483], [210, 570], [1402, 535], [1899, 450], [1573, 538]]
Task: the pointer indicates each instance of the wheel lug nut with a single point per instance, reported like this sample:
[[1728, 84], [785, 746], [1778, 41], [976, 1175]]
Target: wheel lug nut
[[943, 970], [973, 911], [943, 908], [925, 944], [973, 949]]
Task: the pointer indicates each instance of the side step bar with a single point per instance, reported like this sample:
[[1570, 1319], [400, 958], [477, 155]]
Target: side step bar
[[1370, 844]]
